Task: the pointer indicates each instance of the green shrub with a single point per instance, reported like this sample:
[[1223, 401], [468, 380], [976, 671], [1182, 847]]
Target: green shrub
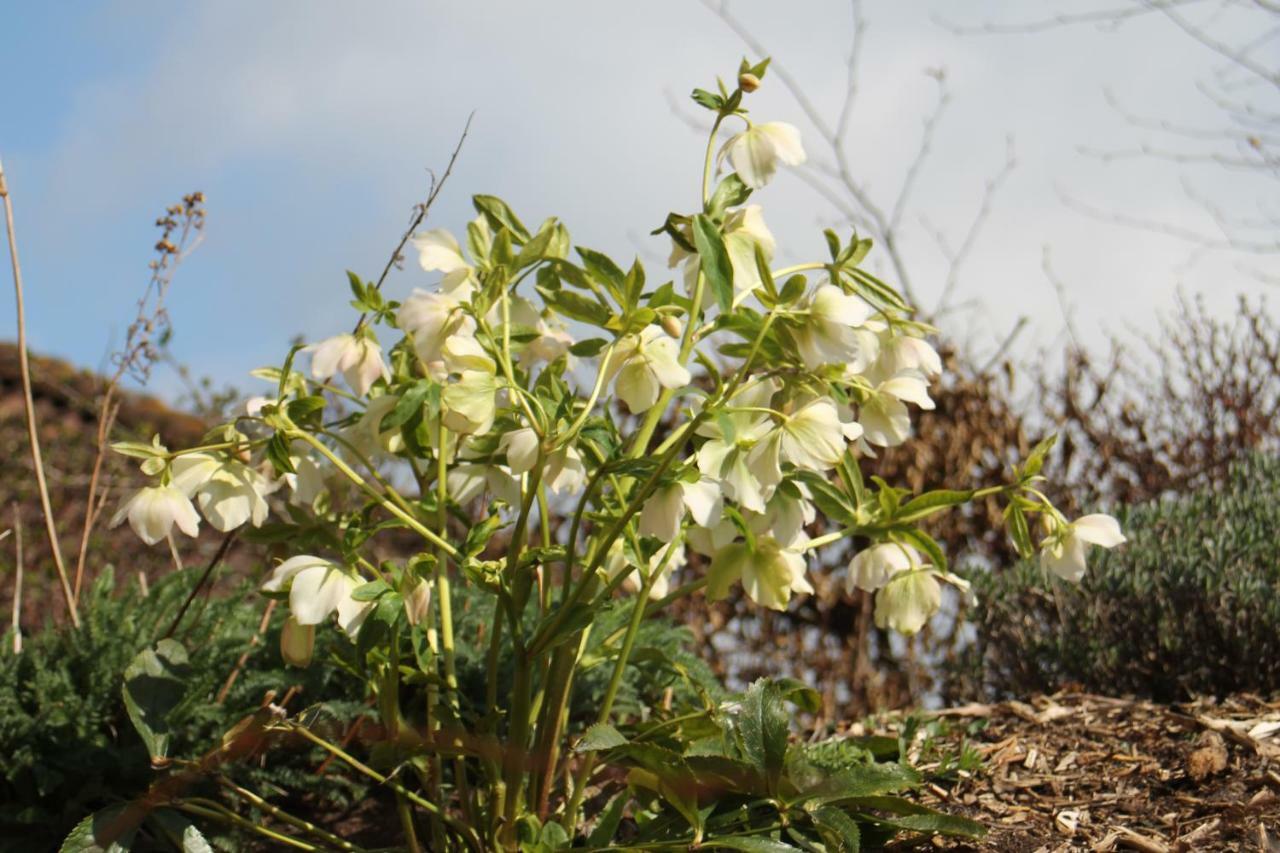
[[1190, 605], [68, 745]]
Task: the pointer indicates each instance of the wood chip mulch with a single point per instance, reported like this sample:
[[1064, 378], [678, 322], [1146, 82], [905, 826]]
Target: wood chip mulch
[[1082, 772]]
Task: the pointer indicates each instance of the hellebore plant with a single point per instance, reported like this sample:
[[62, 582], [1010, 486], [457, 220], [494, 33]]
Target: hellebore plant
[[555, 430]]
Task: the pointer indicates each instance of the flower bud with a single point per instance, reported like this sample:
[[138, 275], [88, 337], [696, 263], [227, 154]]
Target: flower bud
[[417, 601], [671, 326], [748, 82], [297, 642]]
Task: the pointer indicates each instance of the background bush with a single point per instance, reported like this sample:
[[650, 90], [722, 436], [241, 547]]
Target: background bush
[[1191, 605]]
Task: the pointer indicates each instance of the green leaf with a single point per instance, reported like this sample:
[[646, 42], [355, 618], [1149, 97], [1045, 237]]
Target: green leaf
[[1035, 461], [749, 844], [730, 192], [865, 781], [764, 724], [1019, 532], [601, 736], [304, 407], [575, 306], [278, 454], [829, 500], [409, 404], [935, 823], [588, 348], [137, 449], [840, 830], [155, 684], [536, 249], [500, 215], [181, 830], [607, 823], [710, 100], [931, 502], [109, 830], [713, 260]]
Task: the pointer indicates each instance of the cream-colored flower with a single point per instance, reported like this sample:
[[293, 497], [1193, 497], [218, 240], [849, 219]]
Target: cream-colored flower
[[228, 492], [318, 588], [469, 480], [834, 331], [565, 472], [908, 600], [644, 364], [438, 251], [468, 406], [744, 230], [812, 437], [883, 415], [297, 642], [770, 573], [358, 359], [756, 152], [431, 319], [663, 513], [154, 510], [367, 435], [521, 447], [732, 437], [871, 568], [1063, 550]]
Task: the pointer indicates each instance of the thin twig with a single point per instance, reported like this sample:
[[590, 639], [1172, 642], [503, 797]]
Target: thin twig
[[244, 656], [420, 212], [17, 581], [208, 570], [24, 368]]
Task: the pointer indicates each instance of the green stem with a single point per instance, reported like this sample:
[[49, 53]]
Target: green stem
[[281, 814], [465, 832], [216, 811], [346, 470], [615, 682]]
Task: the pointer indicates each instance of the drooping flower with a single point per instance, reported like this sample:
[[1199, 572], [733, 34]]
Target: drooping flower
[[812, 437], [553, 339], [644, 364], [871, 568], [907, 601], [468, 405], [664, 512], [521, 447], [883, 415], [900, 353], [367, 435], [318, 588], [469, 480], [834, 331], [438, 251], [306, 481], [732, 437], [154, 510], [756, 152], [358, 359], [564, 472], [769, 572], [744, 230], [228, 492], [431, 319], [1063, 550]]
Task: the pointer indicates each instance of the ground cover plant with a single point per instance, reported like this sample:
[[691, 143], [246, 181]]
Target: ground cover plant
[[555, 434]]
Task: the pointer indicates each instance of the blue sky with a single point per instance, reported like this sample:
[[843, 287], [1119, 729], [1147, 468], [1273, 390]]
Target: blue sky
[[309, 126]]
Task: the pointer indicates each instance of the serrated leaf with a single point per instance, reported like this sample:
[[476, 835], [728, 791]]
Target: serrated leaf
[[713, 261], [840, 830], [109, 830], [599, 737], [730, 192], [931, 502], [500, 215], [865, 781], [764, 724], [749, 844], [154, 684], [607, 823]]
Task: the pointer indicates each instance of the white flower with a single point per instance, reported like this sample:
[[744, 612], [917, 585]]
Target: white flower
[[468, 481], [438, 251], [616, 563], [468, 406], [709, 540], [756, 151], [901, 353], [664, 511], [744, 230], [1063, 550], [359, 360], [228, 492], [367, 435], [553, 339], [154, 510], [833, 331], [318, 588], [306, 481], [812, 437], [431, 319], [871, 568], [883, 415], [785, 518], [644, 364], [769, 574], [564, 472], [907, 601], [521, 447], [733, 436]]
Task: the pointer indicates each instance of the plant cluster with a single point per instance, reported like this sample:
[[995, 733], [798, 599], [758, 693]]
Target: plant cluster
[[1189, 607], [511, 424]]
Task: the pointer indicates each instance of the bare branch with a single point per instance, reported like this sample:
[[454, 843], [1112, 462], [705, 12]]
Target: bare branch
[[989, 192], [1111, 18]]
